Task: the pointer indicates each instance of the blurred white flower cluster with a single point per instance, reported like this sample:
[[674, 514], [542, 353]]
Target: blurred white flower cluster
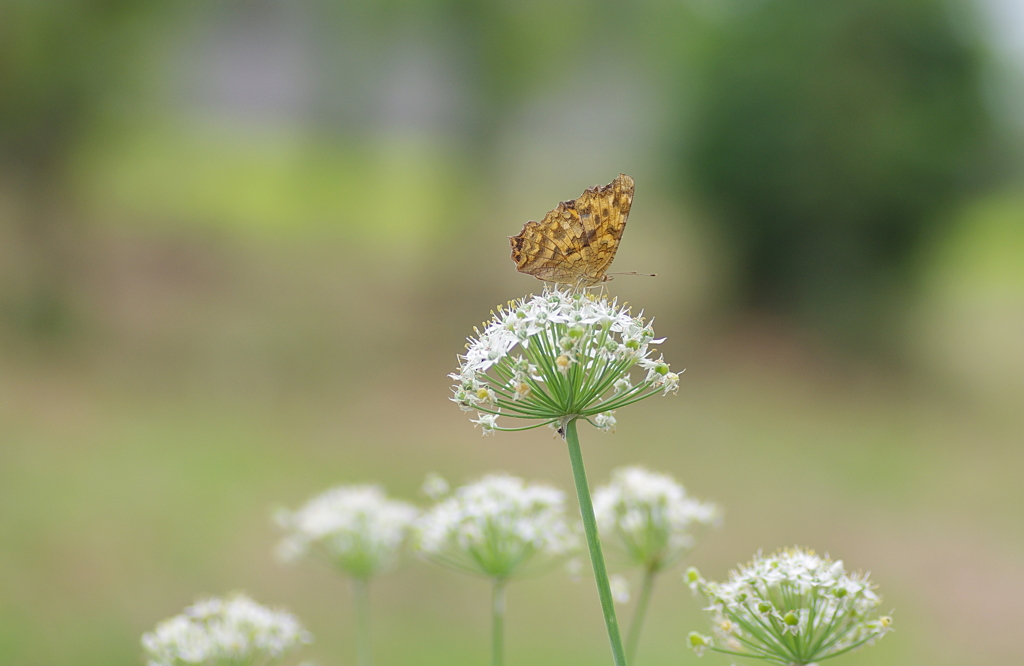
[[235, 631], [559, 355], [650, 517], [498, 527], [357, 528], [620, 588], [792, 607]]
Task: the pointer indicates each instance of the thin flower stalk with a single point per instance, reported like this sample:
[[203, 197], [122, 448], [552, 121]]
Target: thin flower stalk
[[636, 625], [498, 622], [604, 591], [361, 604]]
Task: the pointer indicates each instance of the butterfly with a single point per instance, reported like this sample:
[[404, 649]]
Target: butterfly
[[575, 243]]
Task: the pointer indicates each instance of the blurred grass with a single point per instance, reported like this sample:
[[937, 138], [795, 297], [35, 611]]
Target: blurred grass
[[970, 317], [261, 182]]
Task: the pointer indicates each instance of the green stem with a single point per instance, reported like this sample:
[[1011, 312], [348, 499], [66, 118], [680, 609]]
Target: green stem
[[361, 601], [633, 639], [594, 543], [498, 624]]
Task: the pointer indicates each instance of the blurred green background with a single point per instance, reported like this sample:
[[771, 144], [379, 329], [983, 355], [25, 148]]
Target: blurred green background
[[241, 244]]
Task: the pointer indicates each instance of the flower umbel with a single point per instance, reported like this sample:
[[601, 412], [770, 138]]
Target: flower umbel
[[558, 356], [498, 527], [792, 607], [650, 517], [220, 631], [357, 528]]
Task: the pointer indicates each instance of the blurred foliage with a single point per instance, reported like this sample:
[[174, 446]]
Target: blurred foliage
[[826, 139], [829, 139], [59, 63], [57, 60], [968, 320]]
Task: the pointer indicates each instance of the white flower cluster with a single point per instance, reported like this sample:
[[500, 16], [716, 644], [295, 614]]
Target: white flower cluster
[[791, 607], [560, 354], [650, 516], [356, 528], [221, 631], [498, 527]]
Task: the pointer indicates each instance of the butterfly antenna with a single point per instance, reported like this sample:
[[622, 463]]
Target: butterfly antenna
[[635, 273]]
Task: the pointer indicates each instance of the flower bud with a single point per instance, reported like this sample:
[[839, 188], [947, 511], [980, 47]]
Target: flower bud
[[698, 643]]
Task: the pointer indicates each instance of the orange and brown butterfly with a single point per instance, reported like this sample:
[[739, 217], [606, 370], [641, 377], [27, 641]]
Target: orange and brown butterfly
[[575, 243]]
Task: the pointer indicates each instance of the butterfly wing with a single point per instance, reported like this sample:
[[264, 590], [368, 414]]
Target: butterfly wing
[[603, 212], [575, 243]]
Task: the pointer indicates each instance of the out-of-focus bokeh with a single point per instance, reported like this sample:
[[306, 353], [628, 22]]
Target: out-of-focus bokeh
[[242, 242]]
